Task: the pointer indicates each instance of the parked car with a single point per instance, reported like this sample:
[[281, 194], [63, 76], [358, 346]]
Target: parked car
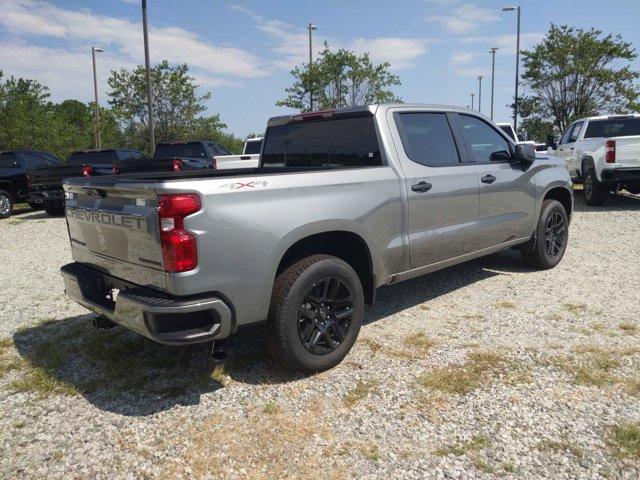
[[603, 153], [250, 157], [343, 202], [509, 130], [46, 182], [196, 155], [15, 175]]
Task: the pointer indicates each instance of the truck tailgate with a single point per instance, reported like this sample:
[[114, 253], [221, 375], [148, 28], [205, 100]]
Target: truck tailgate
[[115, 229], [627, 151]]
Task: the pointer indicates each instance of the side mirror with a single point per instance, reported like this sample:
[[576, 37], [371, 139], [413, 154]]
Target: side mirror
[[525, 153], [551, 143]]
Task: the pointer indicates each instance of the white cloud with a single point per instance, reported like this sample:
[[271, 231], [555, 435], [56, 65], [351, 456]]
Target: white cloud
[[465, 18], [291, 43], [506, 43], [463, 58], [124, 37]]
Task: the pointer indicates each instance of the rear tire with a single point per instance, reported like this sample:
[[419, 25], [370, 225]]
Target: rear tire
[[595, 192], [317, 307], [34, 205], [54, 209], [6, 204], [552, 235]]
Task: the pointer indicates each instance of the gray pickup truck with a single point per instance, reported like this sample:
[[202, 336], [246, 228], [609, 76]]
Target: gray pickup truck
[[343, 202]]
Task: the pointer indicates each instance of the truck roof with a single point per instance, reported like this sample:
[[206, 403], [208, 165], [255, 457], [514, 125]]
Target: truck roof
[[106, 150], [610, 117], [282, 119], [24, 151]]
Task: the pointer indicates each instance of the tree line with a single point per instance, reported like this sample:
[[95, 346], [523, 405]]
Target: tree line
[[30, 120]]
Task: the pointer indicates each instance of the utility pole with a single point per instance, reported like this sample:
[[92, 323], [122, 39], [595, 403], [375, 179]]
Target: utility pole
[[493, 74], [152, 140], [472, 95], [515, 103], [97, 140], [311, 27], [480, 77]]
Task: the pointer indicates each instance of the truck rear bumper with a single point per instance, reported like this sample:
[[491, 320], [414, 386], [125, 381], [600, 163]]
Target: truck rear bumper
[[622, 175], [162, 318]]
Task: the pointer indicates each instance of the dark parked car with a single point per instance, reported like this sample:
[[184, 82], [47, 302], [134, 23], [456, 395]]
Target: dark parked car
[[194, 155], [46, 183], [16, 168]]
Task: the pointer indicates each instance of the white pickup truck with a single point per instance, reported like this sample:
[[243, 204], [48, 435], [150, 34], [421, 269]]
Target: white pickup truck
[[602, 153], [249, 159]]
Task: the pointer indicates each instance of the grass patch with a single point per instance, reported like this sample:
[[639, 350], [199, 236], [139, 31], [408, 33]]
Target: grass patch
[[563, 446], [629, 328], [625, 440], [271, 407], [592, 365], [474, 444], [372, 344], [509, 467], [473, 316], [506, 304], [463, 379], [420, 341], [371, 452], [360, 391], [43, 382], [574, 308]]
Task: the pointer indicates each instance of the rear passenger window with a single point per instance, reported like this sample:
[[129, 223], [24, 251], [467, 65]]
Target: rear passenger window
[[341, 142], [427, 138], [575, 132]]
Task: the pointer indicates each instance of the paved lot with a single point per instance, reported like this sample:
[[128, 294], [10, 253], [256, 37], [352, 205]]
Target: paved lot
[[483, 370]]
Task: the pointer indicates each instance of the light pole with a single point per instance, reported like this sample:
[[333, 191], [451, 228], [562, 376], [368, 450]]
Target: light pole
[[95, 91], [472, 95], [152, 140], [493, 74], [480, 77], [311, 27], [515, 103]]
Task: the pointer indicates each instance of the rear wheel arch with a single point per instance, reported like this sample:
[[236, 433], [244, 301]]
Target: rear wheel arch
[[8, 187], [345, 245], [585, 164]]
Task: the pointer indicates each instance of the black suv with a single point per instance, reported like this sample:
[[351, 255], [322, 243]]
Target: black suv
[[15, 170]]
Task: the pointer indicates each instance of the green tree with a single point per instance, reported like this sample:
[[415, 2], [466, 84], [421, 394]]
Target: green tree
[[177, 107], [340, 79], [574, 73]]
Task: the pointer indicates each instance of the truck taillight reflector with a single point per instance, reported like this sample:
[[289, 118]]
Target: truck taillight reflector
[[87, 170], [176, 164], [610, 151], [179, 249]]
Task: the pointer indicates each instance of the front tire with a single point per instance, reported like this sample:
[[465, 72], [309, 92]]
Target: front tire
[[6, 204], [317, 307], [552, 235], [595, 192]]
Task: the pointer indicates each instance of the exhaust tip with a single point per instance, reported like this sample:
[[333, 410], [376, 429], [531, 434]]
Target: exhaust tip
[[219, 356]]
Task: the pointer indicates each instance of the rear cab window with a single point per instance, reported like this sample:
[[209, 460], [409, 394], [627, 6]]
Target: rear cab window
[[9, 160], [252, 147], [178, 150], [624, 127], [93, 158], [335, 142]]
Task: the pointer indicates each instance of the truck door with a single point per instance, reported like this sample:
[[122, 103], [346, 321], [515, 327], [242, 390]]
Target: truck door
[[442, 189], [507, 191], [566, 148]]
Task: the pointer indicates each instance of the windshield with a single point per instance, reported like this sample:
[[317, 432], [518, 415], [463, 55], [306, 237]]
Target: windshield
[[346, 142], [93, 158], [180, 150], [252, 147], [624, 127], [8, 160]]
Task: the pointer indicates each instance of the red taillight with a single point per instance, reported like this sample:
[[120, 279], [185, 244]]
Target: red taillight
[[311, 115], [610, 151], [86, 170], [179, 249], [176, 163]]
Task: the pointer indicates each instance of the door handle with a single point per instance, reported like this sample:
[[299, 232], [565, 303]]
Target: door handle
[[488, 179], [421, 187]]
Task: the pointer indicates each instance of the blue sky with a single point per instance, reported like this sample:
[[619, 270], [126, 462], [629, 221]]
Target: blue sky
[[242, 50]]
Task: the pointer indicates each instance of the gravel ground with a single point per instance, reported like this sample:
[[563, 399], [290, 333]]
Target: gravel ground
[[484, 370]]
